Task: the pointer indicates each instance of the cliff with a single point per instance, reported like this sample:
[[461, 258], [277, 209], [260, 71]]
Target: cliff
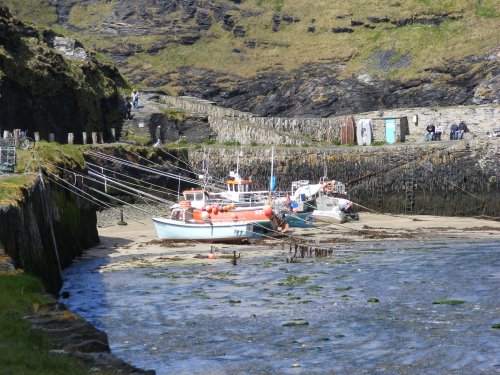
[[25, 230], [292, 58], [45, 90]]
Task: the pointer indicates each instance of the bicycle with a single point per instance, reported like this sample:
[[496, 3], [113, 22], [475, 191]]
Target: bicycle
[[24, 142]]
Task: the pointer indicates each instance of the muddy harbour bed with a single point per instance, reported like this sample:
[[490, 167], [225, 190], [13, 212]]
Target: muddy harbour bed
[[397, 295]]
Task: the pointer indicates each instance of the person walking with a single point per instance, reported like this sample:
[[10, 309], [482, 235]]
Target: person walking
[[128, 109], [135, 99]]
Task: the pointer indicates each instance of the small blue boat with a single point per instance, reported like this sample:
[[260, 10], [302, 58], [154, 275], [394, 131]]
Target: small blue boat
[[181, 227]]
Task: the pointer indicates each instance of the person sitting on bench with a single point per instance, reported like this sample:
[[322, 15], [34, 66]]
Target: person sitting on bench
[[462, 128], [453, 132], [430, 130], [437, 134]]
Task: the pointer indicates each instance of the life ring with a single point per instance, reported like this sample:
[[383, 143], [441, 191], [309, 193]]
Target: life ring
[[329, 187]]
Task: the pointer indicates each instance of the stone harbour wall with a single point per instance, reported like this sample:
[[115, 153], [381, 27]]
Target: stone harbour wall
[[26, 236], [246, 128], [441, 178]]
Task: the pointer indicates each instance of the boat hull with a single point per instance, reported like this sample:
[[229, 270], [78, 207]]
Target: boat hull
[[299, 220], [169, 229], [330, 216]]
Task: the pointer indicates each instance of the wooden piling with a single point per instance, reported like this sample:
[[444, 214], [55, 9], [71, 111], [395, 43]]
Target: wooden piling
[[71, 138], [16, 135], [94, 138], [37, 137]]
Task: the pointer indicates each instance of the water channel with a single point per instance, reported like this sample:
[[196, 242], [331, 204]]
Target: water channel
[[267, 316]]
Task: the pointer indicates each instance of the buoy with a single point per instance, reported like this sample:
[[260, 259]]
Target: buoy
[[211, 256], [267, 210], [205, 215], [215, 210]]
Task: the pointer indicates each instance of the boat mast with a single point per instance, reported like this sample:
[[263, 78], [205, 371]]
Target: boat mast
[[272, 170], [204, 168]]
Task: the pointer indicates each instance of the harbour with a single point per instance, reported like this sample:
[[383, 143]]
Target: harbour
[[370, 307]]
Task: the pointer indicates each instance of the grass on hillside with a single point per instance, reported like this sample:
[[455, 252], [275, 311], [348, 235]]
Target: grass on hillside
[[21, 350], [474, 31]]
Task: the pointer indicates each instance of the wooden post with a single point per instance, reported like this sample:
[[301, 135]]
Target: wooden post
[[16, 135], [6, 134], [94, 138], [113, 134], [84, 138], [37, 137], [52, 137], [71, 138]]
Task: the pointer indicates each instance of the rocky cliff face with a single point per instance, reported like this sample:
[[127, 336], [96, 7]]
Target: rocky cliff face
[[26, 237], [318, 90], [162, 33], [43, 91]]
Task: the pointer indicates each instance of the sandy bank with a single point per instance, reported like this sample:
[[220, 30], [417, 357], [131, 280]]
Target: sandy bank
[[140, 240]]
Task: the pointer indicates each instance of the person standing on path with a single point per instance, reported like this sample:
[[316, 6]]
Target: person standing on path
[[135, 99]]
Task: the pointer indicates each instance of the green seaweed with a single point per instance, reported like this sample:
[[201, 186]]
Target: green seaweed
[[294, 281], [448, 302], [297, 322]]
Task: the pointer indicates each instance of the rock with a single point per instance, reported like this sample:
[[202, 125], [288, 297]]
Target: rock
[[311, 29], [190, 7], [203, 20], [377, 19], [342, 30], [228, 22], [276, 22], [251, 43], [239, 31], [67, 47]]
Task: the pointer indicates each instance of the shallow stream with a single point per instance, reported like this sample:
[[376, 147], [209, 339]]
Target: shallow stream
[[267, 316]]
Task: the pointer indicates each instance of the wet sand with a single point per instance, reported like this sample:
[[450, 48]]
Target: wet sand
[[140, 240]]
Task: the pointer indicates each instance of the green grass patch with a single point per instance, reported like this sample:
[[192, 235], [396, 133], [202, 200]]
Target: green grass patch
[[10, 187], [175, 114], [294, 281], [39, 12], [21, 350]]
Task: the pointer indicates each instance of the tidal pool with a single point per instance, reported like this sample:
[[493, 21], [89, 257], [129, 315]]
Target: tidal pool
[[369, 310]]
